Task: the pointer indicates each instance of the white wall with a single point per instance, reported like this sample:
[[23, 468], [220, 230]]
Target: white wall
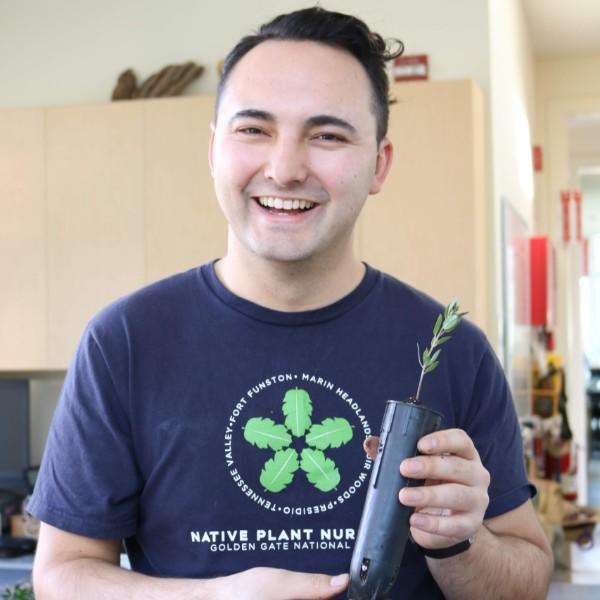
[[512, 109], [72, 51], [513, 104], [565, 87]]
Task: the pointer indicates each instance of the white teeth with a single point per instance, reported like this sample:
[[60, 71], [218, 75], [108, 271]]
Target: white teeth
[[284, 203]]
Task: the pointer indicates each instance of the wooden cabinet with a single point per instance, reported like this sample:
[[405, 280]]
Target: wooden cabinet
[[23, 298], [97, 201], [429, 225], [95, 215], [184, 226]]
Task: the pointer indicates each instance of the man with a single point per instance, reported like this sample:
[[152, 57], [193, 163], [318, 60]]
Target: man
[[214, 420]]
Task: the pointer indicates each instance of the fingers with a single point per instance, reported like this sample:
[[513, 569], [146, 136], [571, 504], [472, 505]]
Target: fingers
[[449, 510], [453, 496], [308, 586], [445, 468], [452, 508], [459, 527], [448, 441], [278, 584]]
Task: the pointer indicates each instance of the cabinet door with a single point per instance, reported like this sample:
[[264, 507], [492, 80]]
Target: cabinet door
[[95, 215], [429, 226], [183, 223], [22, 240]]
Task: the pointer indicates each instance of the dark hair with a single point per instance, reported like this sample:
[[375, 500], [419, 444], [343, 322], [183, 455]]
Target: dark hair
[[334, 29]]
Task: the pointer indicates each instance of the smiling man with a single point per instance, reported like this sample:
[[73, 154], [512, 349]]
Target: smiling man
[[214, 421]]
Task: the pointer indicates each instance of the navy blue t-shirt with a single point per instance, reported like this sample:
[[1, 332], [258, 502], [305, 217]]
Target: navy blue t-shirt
[[215, 435]]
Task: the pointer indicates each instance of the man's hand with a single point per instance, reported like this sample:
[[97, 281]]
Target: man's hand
[[450, 506], [69, 566], [264, 583]]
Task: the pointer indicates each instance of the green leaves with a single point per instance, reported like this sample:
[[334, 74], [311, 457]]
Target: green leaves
[[297, 407], [320, 470], [265, 433], [278, 472], [444, 324], [331, 433], [438, 324]]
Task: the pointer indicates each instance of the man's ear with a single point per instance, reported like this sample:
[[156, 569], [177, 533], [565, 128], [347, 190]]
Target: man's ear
[[383, 164], [211, 140]]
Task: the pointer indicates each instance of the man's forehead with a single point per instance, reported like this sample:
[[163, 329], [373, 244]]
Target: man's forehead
[[301, 71]]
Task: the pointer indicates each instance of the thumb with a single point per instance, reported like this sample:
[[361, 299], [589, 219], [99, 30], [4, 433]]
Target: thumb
[[370, 446], [312, 586]]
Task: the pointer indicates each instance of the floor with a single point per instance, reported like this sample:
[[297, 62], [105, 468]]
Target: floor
[[582, 582]]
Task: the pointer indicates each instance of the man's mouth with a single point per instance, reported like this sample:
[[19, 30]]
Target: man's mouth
[[285, 204]]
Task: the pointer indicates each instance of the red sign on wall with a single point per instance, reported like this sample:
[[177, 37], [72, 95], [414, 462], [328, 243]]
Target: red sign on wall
[[411, 68]]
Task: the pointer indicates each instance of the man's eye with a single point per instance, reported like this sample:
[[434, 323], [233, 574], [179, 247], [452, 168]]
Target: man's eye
[[250, 130], [330, 137]]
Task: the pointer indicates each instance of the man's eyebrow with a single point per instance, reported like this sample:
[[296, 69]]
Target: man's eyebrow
[[316, 121], [320, 120], [253, 113]]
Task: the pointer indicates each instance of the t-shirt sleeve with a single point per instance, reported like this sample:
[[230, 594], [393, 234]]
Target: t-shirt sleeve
[[494, 427], [89, 482]]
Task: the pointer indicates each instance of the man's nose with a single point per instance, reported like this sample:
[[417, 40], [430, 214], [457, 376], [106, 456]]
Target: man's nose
[[287, 163]]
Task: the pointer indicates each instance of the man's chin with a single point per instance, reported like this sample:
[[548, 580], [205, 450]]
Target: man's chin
[[282, 255]]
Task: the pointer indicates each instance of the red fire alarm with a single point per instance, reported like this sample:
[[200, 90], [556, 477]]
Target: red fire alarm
[[411, 68]]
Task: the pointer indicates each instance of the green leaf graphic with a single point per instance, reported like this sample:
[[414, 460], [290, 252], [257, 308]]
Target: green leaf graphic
[[331, 433], [320, 471], [278, 471], [297, 408], [265, 433]]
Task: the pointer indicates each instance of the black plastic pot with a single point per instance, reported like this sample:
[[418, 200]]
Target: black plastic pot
[[384, 525]]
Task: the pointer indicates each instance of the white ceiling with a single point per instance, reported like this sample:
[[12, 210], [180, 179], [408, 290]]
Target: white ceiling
[[564, 27]]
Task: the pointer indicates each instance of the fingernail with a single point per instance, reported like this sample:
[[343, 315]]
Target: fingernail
[[418, 520], [428, 444], [411, 495], [339, 580], [412, 467]]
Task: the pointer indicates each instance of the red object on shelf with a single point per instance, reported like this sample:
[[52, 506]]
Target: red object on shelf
[[538, 159], [543, 282], [411, 68], [565, 199], [577, 198], [558, 462]]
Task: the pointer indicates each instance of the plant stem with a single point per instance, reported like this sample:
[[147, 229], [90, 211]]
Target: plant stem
[[434, 342]]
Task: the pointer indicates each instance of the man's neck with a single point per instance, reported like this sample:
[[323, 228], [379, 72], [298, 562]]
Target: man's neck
[[290, 286]]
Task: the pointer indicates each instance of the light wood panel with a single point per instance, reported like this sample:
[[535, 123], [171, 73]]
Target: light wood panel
[[184, 226], [95, 215], [429, 226], [22, 240]]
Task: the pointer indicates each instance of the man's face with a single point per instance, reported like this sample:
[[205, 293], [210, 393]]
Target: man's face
[[294, 152]]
